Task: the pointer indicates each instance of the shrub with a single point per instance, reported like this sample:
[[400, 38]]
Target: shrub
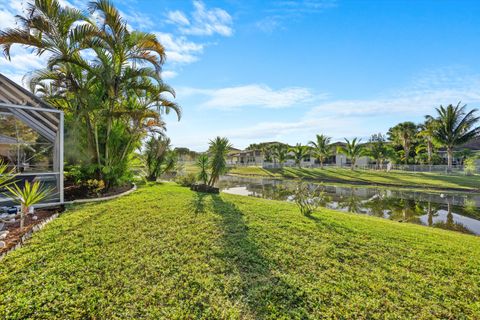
[[308, 198], [186, 180], [95, 186], [470, 166]]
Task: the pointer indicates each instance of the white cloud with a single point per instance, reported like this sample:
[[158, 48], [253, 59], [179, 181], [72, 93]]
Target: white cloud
[[253, 95], [7, 19], [281, 12], [203, 21], [169, 74], [179, 49], [178, 17], [347, 118], [429, 90]]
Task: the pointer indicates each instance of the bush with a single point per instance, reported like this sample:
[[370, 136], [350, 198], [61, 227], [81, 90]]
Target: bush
[[470, 166], [308, 198], [186, 180]]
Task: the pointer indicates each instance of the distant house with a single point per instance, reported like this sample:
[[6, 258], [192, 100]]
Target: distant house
[[256, 157], [473, 146]]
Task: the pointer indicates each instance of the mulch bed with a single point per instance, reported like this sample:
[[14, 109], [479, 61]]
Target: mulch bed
[[74, 191], [15, 235]]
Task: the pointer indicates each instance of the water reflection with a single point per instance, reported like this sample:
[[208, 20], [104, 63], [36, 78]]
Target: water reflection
[[459, 212]]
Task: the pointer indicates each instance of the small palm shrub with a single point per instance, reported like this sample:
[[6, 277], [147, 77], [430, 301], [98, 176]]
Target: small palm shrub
[[219, 148], [29, 195], [202, 164], [308, 198]]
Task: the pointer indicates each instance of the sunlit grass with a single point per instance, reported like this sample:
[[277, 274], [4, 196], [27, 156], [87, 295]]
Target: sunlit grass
[[166, 252]]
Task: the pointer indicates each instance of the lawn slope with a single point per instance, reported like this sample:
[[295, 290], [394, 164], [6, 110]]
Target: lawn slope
[[394, 178], [166, 252]]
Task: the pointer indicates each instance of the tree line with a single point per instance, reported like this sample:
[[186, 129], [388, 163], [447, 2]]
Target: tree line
[[406, 142]]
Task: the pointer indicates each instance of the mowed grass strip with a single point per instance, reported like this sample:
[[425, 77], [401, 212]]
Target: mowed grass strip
[[166, 252], [393, 178]]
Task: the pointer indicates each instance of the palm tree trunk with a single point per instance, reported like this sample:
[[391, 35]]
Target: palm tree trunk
[[429, 151], [23, 212], [407, 153], [449, 158]]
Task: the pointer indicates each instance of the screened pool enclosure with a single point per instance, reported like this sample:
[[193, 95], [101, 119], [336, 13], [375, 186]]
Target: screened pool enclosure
[[31, 139]]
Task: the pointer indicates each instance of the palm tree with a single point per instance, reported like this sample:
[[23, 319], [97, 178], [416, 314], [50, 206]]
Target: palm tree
[[29, 195], [426, 133], [111, 100], [280, 153], [404, 134], [158, 157], [455, 127], [352, 149], [219, 148], [377, 149], [202, 164], [299, 153], [321, 148]]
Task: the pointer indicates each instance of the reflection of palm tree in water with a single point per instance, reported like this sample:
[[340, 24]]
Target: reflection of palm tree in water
[[450, 223], [406, 210], [351, 203], [431, 211]]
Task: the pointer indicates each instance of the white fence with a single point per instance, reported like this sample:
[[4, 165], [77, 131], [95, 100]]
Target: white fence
[[396, 167]]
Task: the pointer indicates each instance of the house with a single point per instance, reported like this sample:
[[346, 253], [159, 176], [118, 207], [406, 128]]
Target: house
[[473, 146], [256, 157]]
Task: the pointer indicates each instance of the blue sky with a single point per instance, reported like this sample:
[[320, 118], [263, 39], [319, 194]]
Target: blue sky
[[286, 70]]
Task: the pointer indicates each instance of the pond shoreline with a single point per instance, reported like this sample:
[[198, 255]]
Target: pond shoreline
[[360, 183], [459, 211]]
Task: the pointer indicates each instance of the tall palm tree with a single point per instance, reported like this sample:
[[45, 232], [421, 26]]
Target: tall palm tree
[[321, 148], [112, 99], [426, 133], [455, 127], [280, 153], [219, 148], [404, 134], [352, 149], [377, 149], [299, 153]]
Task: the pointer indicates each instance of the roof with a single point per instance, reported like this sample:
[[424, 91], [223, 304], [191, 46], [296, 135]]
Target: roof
[[473, 144], [12, 93], [24, 105]]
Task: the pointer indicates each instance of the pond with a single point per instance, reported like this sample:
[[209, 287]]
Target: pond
[[458, 211]]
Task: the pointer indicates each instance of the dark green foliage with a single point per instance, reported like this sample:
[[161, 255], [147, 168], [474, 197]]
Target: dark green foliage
[[203, 165], [112, 97], [158, 157], [218, 151], [455, 126], [404, 135]]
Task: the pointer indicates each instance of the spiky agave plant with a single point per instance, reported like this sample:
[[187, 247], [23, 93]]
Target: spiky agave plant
[[29, 195]]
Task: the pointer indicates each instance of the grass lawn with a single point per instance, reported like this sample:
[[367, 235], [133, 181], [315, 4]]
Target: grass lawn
[[166, 252], [394, 178]]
